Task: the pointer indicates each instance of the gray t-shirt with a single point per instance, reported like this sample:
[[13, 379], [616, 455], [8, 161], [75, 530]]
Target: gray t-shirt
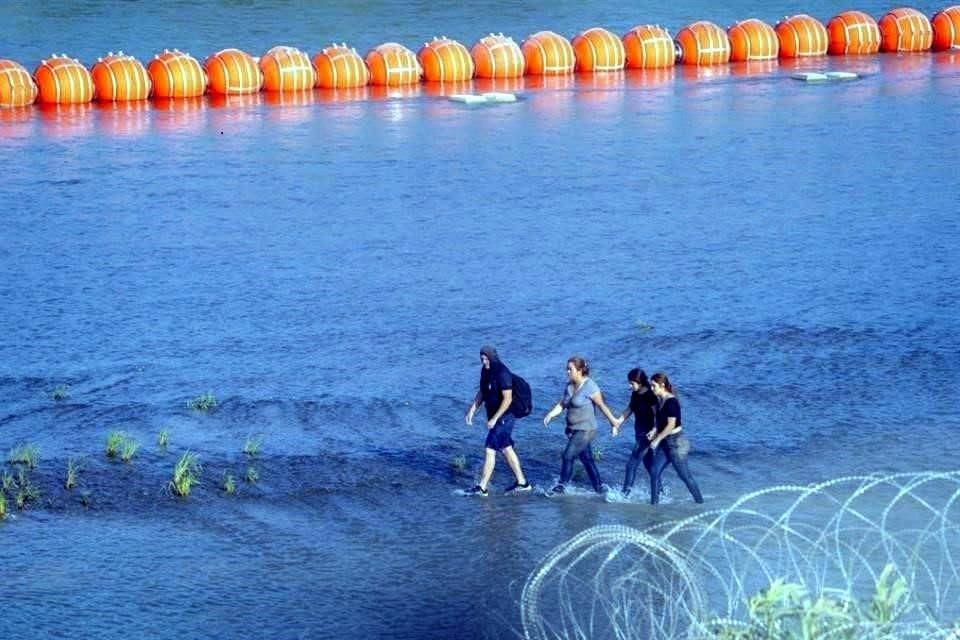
[[581, 413]]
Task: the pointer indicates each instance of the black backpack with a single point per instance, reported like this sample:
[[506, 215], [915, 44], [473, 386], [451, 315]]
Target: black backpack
[[522, 403]]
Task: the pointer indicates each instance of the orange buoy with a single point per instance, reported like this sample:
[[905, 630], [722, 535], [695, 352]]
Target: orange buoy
[[445, 60], [751, 40], [233, 72], [17, 88], [802, 36], [63, 80], [119, 78], [703, 43], [498, 56], [853, 33], [548, 54], [598, 50], [340, 67], [287, 69], [648, 46], [905, 29], [392, 64], [946, 28], [176, 75]]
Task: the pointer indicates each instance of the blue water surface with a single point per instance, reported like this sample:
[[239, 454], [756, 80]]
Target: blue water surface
[[330, 266]]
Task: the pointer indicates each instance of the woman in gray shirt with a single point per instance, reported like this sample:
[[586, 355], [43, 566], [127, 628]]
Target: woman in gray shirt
[[581, 399]]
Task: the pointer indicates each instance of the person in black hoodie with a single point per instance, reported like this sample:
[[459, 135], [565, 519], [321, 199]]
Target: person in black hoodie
[[496, 394]]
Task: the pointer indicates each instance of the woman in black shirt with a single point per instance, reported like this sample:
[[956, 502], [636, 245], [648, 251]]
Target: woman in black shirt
[[675, 444], [643, 408]]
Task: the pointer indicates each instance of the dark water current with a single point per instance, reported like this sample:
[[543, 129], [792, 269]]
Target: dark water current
[[330, 268]]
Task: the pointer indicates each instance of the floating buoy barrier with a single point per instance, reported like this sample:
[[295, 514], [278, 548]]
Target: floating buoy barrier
[[802, 36], [63, 80], [853, 33], [17, 88], [905, 29], [946, 29], [340, 67], [498, 56], [287, 69], [703, 43], [392, 65], [445, 60], [118, 77], [494, 66], [752, 39], [548, 54], [232, 72], [175, 74], [598, 50], [648, 46]]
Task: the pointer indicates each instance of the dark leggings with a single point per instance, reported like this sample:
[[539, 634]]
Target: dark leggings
[[672, 450], [641, 452], [578, 446]]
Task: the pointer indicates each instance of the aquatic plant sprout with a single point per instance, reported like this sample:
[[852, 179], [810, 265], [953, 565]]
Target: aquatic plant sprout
[[871, 556]]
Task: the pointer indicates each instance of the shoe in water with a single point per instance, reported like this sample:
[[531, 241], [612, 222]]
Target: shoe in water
[[516, 487], [477, 491], [626, 491], [558, 489]]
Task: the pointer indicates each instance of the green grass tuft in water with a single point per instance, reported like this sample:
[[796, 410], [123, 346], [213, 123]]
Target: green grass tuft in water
[[27, 454], [186, 474]]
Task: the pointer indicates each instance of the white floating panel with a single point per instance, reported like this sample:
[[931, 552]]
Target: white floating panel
[[841, 75], [810, 77], [483, 98], [499, 97]]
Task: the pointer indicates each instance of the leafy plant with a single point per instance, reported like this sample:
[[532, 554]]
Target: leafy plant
[[26, 454], [229, 483], [128, 449], [186, 474], [115, 440], [252, 476], [26, 491], [204, 402], [3, 505], [163, 438], [787, 611], [8, 483], [73, 470], [60, 393], [86, 498], [252, 446]]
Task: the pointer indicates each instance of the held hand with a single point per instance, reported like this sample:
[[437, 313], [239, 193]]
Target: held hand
[[651, 434], [491, 423], [469, 417], [546, 420], [616, 430]]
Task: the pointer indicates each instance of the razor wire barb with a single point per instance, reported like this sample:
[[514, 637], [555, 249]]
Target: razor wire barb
[[858, 557]]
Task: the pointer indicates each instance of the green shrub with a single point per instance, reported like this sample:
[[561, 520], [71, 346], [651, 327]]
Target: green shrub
[[73, 470], [186, 474], [252, 446], [60, 393], [163, 438], [252, 476], [115, 440], [204, 402], [26, 454], [229, 483], [129, 449]]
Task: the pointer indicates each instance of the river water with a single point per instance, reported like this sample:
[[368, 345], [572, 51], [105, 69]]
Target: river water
[[329, 267]]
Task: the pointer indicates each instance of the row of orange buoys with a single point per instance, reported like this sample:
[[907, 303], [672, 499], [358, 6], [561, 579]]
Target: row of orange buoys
[[174, 74]]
